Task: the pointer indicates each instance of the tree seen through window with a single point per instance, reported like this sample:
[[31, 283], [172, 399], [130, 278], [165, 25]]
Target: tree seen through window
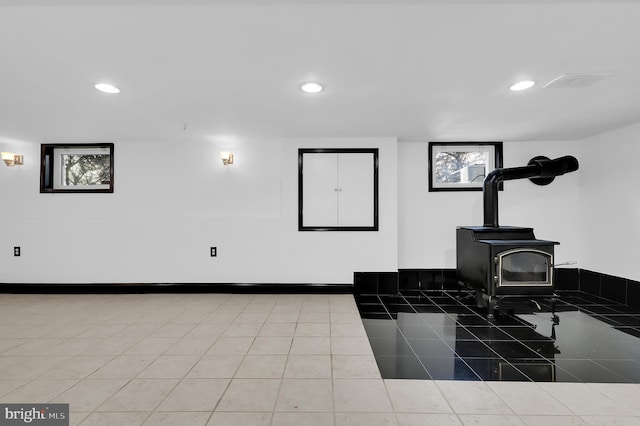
[[460, 167], [86, 169]]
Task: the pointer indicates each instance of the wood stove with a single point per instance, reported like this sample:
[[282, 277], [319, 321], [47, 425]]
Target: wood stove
[[506, 264]]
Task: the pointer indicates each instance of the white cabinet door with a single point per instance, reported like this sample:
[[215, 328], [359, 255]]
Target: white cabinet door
[[320, 183], [338, 189], [355, 189]]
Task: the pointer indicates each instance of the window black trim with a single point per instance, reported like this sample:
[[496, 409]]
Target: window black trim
[[302, 151], [498, 163], [47, 172]]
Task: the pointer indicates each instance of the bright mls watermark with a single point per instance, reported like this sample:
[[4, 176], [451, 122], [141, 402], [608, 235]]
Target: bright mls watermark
[[34, 414]]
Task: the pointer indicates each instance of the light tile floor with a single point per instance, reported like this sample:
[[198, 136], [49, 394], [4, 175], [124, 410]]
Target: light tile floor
[[225, 359]]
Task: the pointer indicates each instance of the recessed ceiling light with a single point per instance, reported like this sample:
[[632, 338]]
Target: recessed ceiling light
[[107, 88], [522, 85], [311, 87]]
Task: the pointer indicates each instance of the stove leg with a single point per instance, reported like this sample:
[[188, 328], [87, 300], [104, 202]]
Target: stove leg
[[554, 317], [461, 285], [492, 304], [480, 299], [486, 301]]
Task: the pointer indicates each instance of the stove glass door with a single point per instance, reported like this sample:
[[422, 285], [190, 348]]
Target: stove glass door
[[524, 267]]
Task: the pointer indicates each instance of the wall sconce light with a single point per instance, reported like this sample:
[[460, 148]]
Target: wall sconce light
[[227, 157], [11, 159]]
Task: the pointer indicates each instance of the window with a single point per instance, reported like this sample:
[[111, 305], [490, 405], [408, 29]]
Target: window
[[76, 168], [462, 166]]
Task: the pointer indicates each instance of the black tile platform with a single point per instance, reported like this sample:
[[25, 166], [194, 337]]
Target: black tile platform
[[442, 335]]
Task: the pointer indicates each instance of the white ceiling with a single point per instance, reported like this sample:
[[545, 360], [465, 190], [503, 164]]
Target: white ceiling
[[416, 70]]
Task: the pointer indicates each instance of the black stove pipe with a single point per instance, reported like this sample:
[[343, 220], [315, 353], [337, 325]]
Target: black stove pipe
[[539, 167]]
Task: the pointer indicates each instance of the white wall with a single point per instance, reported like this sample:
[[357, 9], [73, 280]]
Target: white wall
[[166, 212], [610, 205], [168, 209], [427, 220]]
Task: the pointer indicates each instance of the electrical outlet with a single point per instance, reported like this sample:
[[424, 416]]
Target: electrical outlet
[[214, 251], [16, 251]]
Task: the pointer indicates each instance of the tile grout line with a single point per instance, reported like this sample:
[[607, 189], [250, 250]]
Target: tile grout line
[[95, 410]]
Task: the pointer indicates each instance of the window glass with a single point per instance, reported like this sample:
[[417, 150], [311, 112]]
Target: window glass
[[82, 168], [462, 166]]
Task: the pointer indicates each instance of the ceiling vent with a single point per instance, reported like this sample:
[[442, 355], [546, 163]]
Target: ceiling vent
[[574, 81]]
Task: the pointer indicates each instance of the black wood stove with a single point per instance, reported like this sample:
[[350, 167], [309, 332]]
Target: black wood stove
[[507, 265]]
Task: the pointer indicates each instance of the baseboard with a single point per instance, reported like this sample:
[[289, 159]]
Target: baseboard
[[428, 279], [614, 288], [610, 287], [130, 288]]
